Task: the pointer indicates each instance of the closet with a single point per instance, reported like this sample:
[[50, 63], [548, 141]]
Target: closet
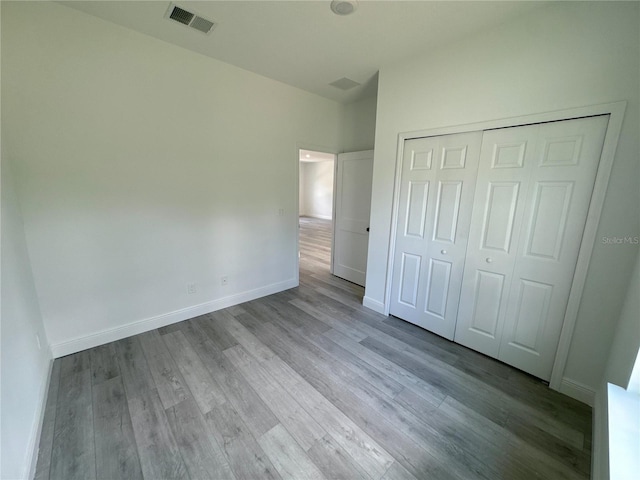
[[488, 232]]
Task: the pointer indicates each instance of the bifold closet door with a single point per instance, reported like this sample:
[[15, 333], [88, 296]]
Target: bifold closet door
[[532, 198], [437, 185]]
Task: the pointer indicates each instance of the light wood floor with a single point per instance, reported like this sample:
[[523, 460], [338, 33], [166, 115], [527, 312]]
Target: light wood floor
[[305, 384]]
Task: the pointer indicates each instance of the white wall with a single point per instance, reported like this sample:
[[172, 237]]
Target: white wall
[[142, 167], [25, 367], [559, 56], [357, 132], [626, 341], [622, 358], [316, 187], [358, 125]]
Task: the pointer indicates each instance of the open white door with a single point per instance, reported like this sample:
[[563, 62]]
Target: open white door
[[354, 174]]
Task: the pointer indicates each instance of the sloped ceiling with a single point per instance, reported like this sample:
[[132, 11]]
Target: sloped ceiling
[[304, 44]]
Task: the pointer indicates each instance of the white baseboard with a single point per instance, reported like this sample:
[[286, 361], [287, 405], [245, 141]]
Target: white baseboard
[[110, 335], [374, 305], [36, 427], [322, 217], [577, 390]]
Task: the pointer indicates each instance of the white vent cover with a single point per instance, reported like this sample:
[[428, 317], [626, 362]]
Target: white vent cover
[[180, 15], [344, 83]]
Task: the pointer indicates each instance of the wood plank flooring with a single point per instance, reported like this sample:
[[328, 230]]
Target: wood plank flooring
[[304, 384]]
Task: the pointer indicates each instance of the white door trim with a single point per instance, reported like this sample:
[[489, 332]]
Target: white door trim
[[616, 114]]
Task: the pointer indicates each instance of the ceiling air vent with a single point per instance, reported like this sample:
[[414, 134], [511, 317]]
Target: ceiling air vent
[[189, 19], [344, 83]]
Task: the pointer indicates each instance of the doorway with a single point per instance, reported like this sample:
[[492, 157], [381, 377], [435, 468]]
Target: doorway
[[315, 211], [334, 212]]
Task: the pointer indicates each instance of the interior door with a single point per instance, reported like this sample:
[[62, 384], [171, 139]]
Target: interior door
[[436, 193], [354, 174], [532, 198]]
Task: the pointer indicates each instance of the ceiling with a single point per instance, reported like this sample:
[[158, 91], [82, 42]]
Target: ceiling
[[304, 44]]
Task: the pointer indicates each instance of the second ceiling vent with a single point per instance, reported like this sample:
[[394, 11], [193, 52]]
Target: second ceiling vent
[[189, 19]]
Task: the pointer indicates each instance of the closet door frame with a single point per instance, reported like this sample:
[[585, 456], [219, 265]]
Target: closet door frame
[[616, 114]]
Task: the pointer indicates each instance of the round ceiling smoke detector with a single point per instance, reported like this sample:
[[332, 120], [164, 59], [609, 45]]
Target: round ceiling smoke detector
[[344, 7]]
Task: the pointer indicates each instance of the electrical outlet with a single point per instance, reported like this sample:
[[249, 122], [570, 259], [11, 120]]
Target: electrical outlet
[[224, 280], [281, 212], [192, 288]]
